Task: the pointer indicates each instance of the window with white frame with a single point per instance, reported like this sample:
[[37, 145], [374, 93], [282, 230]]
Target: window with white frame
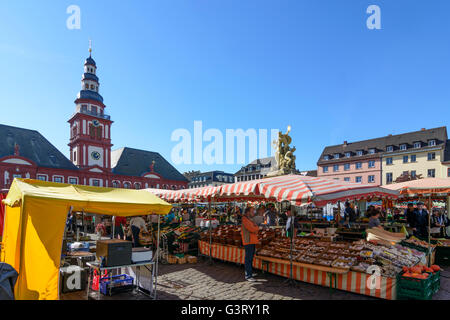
[[336, 155], [372, 164], [59, 179], [371, 179], [327, 157], [431, 173], [389, 161], [325, 169], [42, 177], [432, 143], [390, 148], [372, 151], [403, 147], [73, 180], [359, 153], [347, 166], [431, 156], [417, 145], [348, 154], [358, 179]]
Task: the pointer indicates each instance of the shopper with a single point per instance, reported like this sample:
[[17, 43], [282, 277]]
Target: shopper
[[271, 215], [292, 224], [119, 224], [421, 222], [137, 224], [439, 223], [249, 232], [410, 215], [374, 220], [349, 214]]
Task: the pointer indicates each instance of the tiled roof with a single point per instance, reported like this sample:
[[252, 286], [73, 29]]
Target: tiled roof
[[380, 144], [263, 162], [34, 146], [90, 76], [134, 162], [88, 94]]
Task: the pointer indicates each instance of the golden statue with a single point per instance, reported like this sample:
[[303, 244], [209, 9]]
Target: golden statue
[[284, 154]]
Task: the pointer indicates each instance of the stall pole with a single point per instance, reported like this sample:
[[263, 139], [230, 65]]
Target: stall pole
[[210, 231], [430, 209], [157, 257], [113, 227]]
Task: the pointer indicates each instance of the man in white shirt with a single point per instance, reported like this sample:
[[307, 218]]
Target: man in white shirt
[[137, 223]]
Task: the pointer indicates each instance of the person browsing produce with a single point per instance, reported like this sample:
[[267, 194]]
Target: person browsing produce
[[249, 232]]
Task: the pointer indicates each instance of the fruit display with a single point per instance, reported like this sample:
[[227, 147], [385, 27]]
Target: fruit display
[[356, 256], [231, 235], [418, 243]]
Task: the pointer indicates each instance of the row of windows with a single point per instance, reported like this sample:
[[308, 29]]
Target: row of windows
[[97, 182], [250, 177], [347, 166], [92, 87], [431, 173], [255, 168], [403, 147], [359, 179], [413, 158]]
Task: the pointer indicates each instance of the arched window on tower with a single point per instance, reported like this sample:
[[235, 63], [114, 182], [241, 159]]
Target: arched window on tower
[[137, 186], [127, 185]]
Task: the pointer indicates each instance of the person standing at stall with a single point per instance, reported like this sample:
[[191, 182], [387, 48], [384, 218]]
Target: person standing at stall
[[410, 215], [119, 224], [249, 232], [291, 224], [421, 221], [137, 224], [271, 215]]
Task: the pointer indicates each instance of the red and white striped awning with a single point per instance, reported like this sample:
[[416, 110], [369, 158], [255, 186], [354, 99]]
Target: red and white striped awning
[[297, 189]]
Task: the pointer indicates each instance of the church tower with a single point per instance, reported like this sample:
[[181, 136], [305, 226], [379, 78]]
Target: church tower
[[90, 128]]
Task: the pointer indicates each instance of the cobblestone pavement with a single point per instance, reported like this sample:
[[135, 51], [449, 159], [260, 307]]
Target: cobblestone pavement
[[225, 281]]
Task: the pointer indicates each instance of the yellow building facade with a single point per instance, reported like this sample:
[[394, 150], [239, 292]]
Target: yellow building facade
[[427, 163]]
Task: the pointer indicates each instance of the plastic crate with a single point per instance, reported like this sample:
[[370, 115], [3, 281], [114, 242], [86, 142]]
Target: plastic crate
[[410, 294], [412, 246], [413, 283], [116, 284]]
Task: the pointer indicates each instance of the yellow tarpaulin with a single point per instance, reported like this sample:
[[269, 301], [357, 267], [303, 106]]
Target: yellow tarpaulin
[[36, 213]]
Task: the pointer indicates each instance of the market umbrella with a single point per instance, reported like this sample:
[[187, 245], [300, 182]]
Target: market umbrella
[[302, 190]]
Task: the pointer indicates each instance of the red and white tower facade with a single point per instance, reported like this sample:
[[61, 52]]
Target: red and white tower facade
[[90, 128]]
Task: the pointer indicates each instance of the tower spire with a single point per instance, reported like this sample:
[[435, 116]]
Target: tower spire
[[90, 47]]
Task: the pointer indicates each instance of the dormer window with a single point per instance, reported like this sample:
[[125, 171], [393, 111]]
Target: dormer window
[[432, 143], [390, 148], [372, 151], [348, 154], [327, 157], [417, 145], [359, 153], [336, 155], [403, 147]]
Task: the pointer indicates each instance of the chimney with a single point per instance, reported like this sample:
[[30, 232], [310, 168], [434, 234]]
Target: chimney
[[345, 143], [423, 129]]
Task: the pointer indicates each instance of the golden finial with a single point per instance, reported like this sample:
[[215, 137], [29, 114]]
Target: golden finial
[[90, 47]]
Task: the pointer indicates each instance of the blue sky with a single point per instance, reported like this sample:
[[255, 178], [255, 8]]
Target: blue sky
[[231, 64]]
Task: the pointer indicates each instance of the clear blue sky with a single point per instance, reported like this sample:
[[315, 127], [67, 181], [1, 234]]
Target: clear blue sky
[[232, 64]]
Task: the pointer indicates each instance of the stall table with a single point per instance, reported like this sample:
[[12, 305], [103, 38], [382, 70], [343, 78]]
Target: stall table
[[351, 281]]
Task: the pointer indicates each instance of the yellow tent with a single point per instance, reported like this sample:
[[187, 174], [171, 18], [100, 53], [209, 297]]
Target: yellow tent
[[36, 213]]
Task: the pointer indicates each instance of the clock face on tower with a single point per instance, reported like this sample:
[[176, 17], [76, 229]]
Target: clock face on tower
[[95, 155], [96, 123]]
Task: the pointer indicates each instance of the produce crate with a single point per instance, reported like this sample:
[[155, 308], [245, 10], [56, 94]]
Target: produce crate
[[413, 283], [116, 284], [171, 259], [413, 246], [436, 281], [410, 294]]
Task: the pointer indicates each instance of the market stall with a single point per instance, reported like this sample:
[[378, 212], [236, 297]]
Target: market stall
[[427, 190], [35, 220]]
